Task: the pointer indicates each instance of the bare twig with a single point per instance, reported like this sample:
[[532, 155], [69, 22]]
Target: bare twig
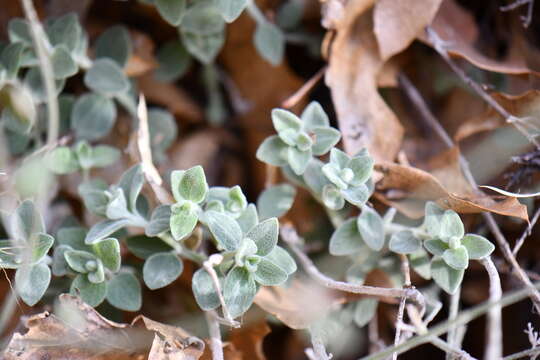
[[526, 233], [494, 319], [454, 310], [405, 269], [289, 235], [415, 97], [527, 19], [208, 265], [216, 345], [8, 309], [318, 351], [529, 353], [306, 88], [41, 45]]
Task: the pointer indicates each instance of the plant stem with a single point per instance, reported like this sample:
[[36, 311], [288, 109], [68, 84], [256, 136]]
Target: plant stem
[[463, 318], [522, 354], [216, 345], [8, 308], [47, 73], [494, 338], [454, 310]]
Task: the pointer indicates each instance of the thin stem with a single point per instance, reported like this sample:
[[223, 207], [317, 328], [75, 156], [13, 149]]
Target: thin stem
[[526, 233], [318, 351], [256, 13], [494, 338], [289, 235], [463, 318], [295, 98], [418, 101], [47, 73], [527, 19], [523, 354], [216, 345], [405, 269], [8, 308], [454, 310]]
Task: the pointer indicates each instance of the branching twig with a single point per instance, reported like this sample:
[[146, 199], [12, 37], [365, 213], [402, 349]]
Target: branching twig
[[526, 233], [527, 19], [415, 97], [216, 345], [494, 319], [318, 351], [289, 235], [47, 73], [300, 93]]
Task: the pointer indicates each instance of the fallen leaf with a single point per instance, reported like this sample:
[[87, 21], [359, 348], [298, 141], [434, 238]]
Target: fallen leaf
[[77, 331], [365, 120], [249, 340], [142, 60], [398, 23]]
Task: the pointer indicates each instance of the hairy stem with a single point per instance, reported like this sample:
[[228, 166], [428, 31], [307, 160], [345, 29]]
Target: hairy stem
[[216, 345], [494, 338], [8, 308], [454, 310]]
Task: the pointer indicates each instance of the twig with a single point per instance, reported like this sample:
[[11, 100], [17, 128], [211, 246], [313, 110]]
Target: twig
[[8, 308], [318, 351], [415, 97], [523, 354], [526, 233], [527, 19], [143, 143], [300, 93], [405, 269], [208, 265], [289, 235], [463, 318], [216, 345], [440, 46], [47, 73], [494, 338], [454, 310]]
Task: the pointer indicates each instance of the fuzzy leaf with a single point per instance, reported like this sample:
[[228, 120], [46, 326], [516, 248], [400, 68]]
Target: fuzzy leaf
[[435, 246], [204, 291], [183, 220], [78, 260], [114, 43], [451, 226], [284, 120], [91, 293], [225, 230], [124, 292], [65, 30], [189, 184], [276, 200], [325, 139], [269, 42], [231, 9], [456, 258], [362, 167], [269, 274], [357, 196], [174, 61], [314, 116], [332, 197], [10, 58], [19, 31], [477, 246], [105, 76], [238, 290], [108, 251], [298, 160], [93, 116], [203, 47], [248, 218], [404, 242], [40, 244], [346, 239], [62, 160], [280, 257], [420, 263], [265, 235], [63, 64], [143, 247], [371, 228], [159, 221], [94, 197], [31, 282], [103, 229], [364, 311], [271, 151], [432, 219], [26, 221], [161, 269], [446, 277]]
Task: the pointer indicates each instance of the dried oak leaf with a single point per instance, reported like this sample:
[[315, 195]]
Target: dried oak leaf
[[408, 188], [77, 331], [354, 64], [458, 29], [398, 23]]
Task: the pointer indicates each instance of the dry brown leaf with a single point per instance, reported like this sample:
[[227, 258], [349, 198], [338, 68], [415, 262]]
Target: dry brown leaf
[[299, 304], [457, 27], [80, 332], [142, 60], [365, 120], [398, 23], [249, 340], [407, 189]]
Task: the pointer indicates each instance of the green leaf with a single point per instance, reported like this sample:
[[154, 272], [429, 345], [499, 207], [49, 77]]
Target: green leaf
[[272, 150], [364, 311], [81, 261], [114, 43], [31, 282], [19, 31], [98, 156], [98, 275], [131, 183], [16, 124], [159, 221], [174, 61], [404, 242], [189, 184], [298, 160], [204, 291], [117, 207], [124, 292], [269, 42], [93, 116], [10, 58], [265, 235], [203, 47], [420, 263], [432, 219], [248, 218], [105, 76], [203, 18], [314, 116], [62, 160], [239, 289], [26, 221], [108, 251], [94, 197], [357, 196], [284, 120], [40, 244], [446, 277], [371, 228], [143, 246], [65, 30], [161, 269], [163, 130], [73, 237], [333, 173], [269, 274], [183, 220], [225, 230], [171, 10], [91, 293], [325, 139], [451, 226], [63, 64], [35, 87], [280, 257], [231, 9], [456, 258], [103, 229], [362, 167], [59, 266], [478, 247], [338, 158], [275, 201], [435, 246], [346, 239]]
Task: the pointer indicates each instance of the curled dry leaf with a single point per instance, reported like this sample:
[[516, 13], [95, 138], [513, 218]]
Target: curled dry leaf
[[398, 23], [77, 331], [354, 64], [142, 60], [407, 189], [249, 340], [458, 29]]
